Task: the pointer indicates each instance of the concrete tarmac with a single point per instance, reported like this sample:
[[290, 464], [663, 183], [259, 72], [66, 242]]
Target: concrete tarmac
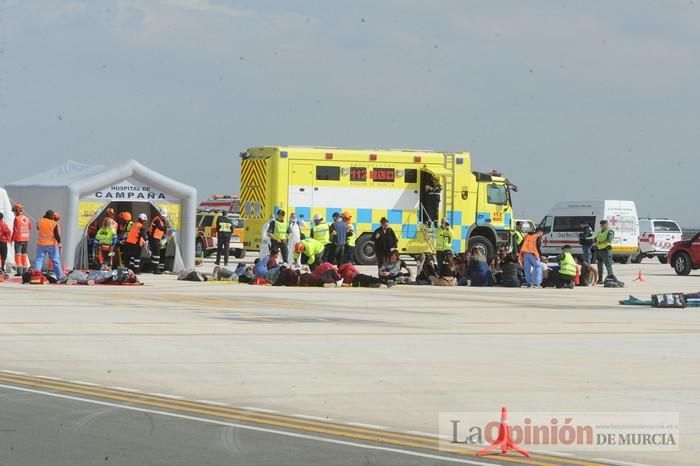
[[394, 358], [39, 430]]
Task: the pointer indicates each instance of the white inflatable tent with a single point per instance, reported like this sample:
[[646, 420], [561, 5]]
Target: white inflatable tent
[[9, 219], [82, 192]]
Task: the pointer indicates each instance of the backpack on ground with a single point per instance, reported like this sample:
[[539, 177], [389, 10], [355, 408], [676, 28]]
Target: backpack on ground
[[668, 300], [613, 282]]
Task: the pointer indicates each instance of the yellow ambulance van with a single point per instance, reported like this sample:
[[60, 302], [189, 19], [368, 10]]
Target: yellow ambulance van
[[372, 184]]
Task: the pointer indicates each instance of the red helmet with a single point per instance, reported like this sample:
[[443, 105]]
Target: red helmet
[[17, 207], [299, 248]]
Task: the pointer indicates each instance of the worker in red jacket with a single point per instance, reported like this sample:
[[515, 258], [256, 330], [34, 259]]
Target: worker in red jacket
[[5, 238], [20, 236]]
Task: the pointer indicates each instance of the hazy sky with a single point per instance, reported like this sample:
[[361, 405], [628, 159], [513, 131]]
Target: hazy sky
[[570, 99]]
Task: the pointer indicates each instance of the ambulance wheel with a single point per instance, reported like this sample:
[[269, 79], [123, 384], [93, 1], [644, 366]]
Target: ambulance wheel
[[239, 253], [682, 264], [483, 244], [364, 250], [663, 259], [199, 248], [638, 258]]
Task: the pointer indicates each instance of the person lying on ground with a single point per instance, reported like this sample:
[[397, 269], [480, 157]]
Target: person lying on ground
[[352, 277], [327, 275], [226, 274]]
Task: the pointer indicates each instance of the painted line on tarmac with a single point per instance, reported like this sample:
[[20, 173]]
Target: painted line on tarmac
[[259, 410], [253, 428], [369, 426], [124, 389], [137, 397], [620, 463], [313, 418], [209, 402]]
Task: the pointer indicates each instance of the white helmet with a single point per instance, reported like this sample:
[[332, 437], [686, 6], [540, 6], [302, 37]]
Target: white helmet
[[143, 217], [318, 217], [163, 212]]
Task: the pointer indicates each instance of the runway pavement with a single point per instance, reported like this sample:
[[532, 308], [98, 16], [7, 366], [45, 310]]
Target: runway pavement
[[392, 359]]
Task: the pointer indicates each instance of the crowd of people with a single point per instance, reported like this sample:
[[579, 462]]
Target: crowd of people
[[119, 240], [115, 241], [325, 258]]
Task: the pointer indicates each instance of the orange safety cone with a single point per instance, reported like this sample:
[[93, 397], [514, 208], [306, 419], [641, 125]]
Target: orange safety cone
[[504, 440], [640, 277]]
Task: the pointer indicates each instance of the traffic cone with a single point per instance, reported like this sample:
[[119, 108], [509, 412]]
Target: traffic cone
[[504, 440], [640, 277]]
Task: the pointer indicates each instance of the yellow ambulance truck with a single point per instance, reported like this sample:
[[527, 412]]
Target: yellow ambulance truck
[[372, 184]]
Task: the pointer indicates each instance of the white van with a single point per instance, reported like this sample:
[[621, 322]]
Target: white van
[[562, 226], [656, 236]]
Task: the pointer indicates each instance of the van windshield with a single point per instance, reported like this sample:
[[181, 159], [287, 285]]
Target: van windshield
[[662, 226]]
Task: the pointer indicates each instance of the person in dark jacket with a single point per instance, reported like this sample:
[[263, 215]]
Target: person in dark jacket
[[585, 239], [385, 241], [511, 271]]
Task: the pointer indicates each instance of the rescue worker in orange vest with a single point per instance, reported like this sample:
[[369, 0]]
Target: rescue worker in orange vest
[[57, 217], [134, 242], [530, 257], [20, 236], [48, 243], [123, 224], [158, 234]]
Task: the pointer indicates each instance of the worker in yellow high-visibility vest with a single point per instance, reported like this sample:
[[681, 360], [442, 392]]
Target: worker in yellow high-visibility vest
[[279, 234], [603, 248], [321, 232], [443, 243]]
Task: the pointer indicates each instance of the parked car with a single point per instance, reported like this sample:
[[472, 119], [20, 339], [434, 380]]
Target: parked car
[[206, 234], [656, 237], [685, 255]]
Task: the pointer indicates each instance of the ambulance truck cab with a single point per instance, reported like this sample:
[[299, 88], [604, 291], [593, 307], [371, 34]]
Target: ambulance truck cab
[[372, 184], [562, 226]]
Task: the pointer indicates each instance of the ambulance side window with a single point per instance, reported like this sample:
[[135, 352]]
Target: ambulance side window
[[328, 173], [208, 221], [411, 175]]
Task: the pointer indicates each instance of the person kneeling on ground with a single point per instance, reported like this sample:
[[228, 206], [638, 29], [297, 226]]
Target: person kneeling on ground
[[565, 276], [391, 272], [309, 251], [479, 269]]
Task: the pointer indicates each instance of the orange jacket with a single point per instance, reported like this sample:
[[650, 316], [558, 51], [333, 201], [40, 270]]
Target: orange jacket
[[47, 234], [135, 236], [529, 245], [21, 228], [157, 228]]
